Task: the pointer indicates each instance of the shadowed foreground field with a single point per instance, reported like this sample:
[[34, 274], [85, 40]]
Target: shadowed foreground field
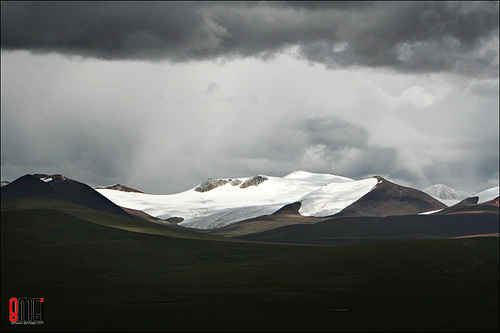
[[98, 277]]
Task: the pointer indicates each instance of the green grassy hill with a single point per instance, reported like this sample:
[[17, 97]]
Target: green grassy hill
[[99, 272]]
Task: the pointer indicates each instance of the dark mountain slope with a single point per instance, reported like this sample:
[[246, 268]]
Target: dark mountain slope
[[388, 199], [28, 186], [60, 188]]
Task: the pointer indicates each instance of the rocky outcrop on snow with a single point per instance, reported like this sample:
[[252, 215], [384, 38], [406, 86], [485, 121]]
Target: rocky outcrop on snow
[[212, 183], [118, 187], [253, 181]]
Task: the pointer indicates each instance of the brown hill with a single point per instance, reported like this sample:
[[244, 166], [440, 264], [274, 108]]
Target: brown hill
[[388, 199], [494, 202], [287, 215], [466, 202], [470, 206]]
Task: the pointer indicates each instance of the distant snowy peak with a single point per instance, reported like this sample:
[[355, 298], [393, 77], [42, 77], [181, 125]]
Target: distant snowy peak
[[441, 191]]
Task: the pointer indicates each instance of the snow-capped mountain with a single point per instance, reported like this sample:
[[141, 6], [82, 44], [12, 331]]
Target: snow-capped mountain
[[220, 202], [447, 195], [451, 196], [217, 203]]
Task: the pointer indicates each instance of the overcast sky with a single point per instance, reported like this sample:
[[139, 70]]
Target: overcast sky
[[160, 96]]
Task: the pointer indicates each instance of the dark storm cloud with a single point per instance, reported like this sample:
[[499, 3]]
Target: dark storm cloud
[[406, 36], [109, 30]]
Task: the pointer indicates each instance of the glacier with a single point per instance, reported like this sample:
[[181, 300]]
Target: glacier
[[222, 202]]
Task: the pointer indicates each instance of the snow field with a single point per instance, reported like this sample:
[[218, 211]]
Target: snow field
[[320, 194]]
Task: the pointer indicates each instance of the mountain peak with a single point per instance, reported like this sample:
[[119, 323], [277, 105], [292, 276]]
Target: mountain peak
[[441, 191], [298, 173]]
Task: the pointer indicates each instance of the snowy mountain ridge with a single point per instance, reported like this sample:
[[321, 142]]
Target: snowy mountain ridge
[[219, 202], [216, 203], [442, 191]]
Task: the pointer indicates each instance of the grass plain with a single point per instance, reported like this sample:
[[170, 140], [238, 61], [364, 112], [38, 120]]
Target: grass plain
[[101, 272]]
